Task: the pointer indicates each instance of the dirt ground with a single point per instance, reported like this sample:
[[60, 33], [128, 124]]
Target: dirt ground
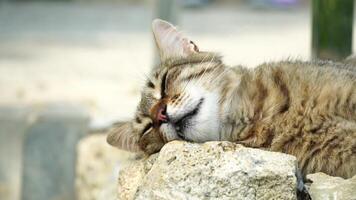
[[97, 55]]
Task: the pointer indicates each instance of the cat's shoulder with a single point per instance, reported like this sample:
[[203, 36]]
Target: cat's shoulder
[[298, 66]]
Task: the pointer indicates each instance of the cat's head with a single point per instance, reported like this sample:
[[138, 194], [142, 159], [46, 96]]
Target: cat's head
[[180, 99]]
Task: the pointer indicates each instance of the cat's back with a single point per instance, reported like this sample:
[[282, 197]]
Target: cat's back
[[309, 109], [311, 73], [322, 85], [279, 88]]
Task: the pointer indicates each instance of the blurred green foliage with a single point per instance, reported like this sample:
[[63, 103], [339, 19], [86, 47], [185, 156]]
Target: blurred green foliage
[[332, 28]]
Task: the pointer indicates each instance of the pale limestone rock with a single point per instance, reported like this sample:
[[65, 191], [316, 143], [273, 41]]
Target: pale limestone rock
[[131, 177], [97, 166], [213, 170], [325, 187]]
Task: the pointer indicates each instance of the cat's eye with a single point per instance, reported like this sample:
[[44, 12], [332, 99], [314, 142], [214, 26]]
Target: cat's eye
[[150, 84], [163, 85], [195, 46], [147, 127]]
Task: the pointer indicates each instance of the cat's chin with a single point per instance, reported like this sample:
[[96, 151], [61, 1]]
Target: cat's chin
[[196, 128]]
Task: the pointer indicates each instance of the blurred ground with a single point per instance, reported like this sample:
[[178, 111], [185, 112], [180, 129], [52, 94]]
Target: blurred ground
[[97, 168], [97, 55]]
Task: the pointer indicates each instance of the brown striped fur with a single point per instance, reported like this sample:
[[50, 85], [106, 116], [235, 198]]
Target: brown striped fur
[[307, 109]]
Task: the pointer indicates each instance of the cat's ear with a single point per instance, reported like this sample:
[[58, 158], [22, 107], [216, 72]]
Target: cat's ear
[[170, 42], [123, 137]]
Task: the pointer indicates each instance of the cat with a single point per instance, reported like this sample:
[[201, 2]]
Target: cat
[[306, 109]]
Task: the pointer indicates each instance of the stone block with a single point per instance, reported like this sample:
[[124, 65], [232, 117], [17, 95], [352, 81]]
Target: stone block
[[50, 152], [213, 170]]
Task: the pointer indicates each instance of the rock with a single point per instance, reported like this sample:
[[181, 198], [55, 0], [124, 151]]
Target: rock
[[326, 187], [49, 151], [96, 170], [213, 170]]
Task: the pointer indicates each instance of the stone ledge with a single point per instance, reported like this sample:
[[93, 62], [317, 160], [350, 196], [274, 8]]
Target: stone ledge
[[213, 170], [328, 187]]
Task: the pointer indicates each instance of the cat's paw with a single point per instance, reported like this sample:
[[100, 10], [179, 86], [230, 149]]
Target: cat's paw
[[151, 143]]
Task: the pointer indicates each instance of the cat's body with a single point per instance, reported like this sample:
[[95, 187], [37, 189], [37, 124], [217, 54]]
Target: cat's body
[[299, 108], [307, 109]]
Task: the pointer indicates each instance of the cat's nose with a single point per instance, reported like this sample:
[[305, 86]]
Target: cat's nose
[[162, 116]]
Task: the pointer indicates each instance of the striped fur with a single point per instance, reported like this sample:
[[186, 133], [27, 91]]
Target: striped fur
[[307, 109]]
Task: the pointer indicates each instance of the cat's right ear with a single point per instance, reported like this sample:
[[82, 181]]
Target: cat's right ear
[[170, 42], [122, 136]]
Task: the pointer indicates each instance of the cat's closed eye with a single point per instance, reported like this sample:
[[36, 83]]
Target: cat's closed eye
[[163, 85], [147, 128], [195, 46], [150, 84]]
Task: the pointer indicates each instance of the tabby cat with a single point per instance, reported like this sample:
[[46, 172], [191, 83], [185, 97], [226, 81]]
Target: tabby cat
[[307, 109]]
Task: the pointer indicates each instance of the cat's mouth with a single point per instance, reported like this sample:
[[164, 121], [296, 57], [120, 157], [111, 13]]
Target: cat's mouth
[[186, 120]]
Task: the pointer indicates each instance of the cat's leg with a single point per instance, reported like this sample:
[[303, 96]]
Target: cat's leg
[[302, 188]]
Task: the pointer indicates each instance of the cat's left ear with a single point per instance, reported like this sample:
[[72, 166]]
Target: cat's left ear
[[170, 42]]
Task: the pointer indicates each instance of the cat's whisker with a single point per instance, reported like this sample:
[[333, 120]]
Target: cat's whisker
[[180, 99], [207, 79], [219, 76], [212, 73], [209, 65], [143, 78], [197, 82]]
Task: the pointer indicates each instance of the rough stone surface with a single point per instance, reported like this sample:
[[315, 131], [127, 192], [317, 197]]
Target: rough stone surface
[[97, 166], [213, 170], [328, 187]]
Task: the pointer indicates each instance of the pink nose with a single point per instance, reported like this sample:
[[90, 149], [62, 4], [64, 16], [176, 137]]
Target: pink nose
[[162, 115]]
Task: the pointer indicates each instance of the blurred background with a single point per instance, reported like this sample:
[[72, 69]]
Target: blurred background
[[70, 68], [97, 53]]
